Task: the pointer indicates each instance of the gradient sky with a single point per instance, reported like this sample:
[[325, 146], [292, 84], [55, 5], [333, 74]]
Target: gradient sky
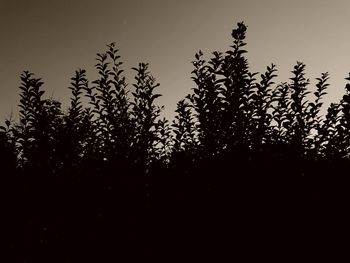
[[52, 38]]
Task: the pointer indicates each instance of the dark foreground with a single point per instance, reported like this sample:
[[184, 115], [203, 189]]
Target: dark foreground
[[211, 210]]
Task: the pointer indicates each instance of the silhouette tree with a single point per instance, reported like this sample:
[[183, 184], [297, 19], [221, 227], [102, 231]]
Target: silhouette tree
[[261, 116], [184, 128], [144, 116], [314, 120], [75, 132], [244, 158], [298, 130], [207, 104], [237, 83]]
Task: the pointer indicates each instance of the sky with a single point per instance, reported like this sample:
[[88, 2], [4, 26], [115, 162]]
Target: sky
[[53, 38]]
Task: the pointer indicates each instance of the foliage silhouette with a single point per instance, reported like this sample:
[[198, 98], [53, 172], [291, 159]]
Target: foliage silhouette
[[244, 158]]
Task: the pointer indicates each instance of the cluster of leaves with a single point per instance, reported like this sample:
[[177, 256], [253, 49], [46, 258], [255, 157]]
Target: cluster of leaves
[[115, 162], [234, 110]]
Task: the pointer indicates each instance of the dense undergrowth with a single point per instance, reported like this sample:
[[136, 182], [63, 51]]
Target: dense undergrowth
[[246, 165]]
